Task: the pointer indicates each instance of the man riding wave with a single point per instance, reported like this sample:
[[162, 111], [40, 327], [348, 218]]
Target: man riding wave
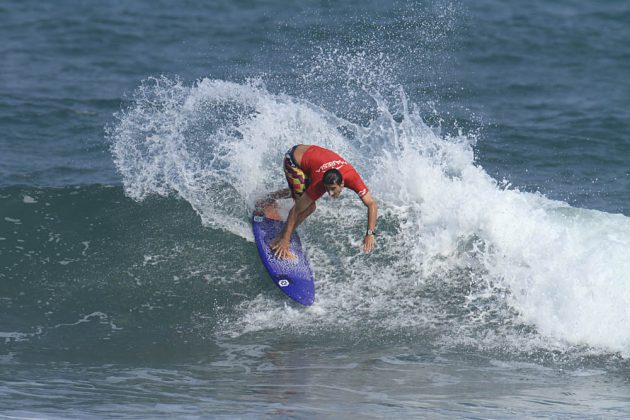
[[311, 171]]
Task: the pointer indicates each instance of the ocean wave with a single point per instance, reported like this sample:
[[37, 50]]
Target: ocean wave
[[458, 251]]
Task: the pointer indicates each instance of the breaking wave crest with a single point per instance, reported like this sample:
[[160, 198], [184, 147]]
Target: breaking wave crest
[[460, 257]]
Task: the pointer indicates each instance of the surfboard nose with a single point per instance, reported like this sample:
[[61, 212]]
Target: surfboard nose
[[301, 292]]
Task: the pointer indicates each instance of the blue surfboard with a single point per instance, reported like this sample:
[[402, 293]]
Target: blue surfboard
[[293, 276]]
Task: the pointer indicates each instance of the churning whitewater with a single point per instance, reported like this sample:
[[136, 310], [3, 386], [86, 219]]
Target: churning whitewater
[[461, 256]]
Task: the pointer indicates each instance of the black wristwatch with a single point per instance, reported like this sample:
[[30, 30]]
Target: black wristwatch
[[370, 232]]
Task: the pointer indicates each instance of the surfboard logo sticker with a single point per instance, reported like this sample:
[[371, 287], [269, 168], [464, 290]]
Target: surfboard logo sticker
[[283, 283]]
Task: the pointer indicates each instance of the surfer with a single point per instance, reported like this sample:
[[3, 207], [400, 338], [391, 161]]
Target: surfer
[[311, 171]]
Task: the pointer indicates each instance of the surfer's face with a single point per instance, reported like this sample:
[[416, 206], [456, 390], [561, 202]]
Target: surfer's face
[[334, 190]]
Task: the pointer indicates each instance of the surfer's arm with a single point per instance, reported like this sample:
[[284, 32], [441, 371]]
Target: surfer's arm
[[372, 215], [300, 210]]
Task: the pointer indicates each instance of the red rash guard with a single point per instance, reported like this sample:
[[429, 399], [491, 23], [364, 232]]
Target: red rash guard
[[317, 160]]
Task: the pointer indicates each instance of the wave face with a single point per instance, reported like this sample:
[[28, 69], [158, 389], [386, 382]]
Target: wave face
[[462, 258]]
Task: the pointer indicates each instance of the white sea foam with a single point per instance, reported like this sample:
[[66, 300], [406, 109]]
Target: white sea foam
[[458, 252], [27, 199]]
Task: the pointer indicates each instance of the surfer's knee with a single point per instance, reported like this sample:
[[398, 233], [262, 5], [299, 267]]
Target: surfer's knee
[[306, 213]]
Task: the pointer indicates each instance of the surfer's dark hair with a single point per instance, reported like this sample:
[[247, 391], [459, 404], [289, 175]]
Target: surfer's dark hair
[[332, 176]]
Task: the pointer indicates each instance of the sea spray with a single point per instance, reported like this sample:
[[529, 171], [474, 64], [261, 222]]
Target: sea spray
[[458, 252]]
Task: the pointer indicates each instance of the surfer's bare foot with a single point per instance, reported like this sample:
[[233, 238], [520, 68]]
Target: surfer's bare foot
[[261, 203], [270, 198]]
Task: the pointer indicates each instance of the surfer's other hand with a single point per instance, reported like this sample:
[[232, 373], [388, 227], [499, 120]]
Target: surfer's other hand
[[368, 243], [280, 248]]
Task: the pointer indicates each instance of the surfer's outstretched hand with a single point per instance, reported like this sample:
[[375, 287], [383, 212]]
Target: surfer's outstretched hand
[[280, 248], [368, 243]]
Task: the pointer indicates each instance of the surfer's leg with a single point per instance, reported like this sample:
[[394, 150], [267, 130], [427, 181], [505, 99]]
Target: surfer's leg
[[271, 197], [302, 216]]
